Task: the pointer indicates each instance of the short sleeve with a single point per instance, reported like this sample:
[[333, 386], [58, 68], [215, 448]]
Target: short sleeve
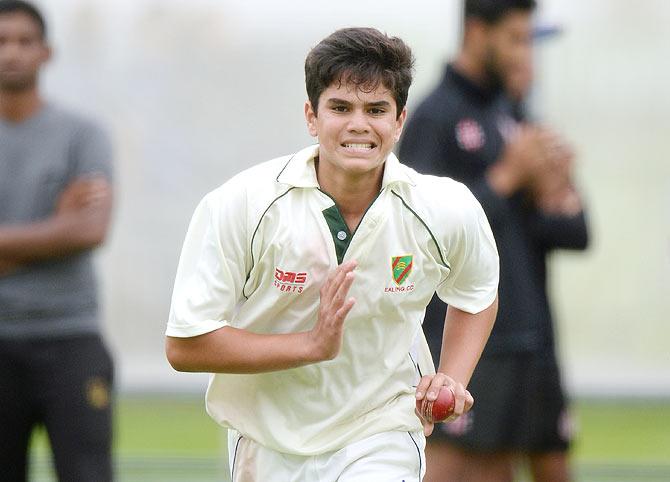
[[212, 267], [472, 283], [92, 150]]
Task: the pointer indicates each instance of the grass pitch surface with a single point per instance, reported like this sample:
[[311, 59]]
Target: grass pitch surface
[[172, 439]]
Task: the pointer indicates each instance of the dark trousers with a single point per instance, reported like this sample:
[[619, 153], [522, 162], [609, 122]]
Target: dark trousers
[[65, 385]]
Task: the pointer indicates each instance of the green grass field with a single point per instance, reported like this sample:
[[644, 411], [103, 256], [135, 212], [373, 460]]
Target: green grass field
[[172, 439]]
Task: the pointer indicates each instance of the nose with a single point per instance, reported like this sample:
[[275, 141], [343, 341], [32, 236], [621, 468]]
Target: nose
[[358, 122], [9, 52]]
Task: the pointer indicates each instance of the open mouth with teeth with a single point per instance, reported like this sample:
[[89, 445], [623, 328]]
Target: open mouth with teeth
[[363, 146]]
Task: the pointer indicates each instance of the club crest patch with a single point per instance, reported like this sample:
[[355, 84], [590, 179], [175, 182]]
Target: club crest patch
[[401, 267]]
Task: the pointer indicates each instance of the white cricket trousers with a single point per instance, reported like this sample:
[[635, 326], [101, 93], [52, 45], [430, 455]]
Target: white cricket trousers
[[384, 457]]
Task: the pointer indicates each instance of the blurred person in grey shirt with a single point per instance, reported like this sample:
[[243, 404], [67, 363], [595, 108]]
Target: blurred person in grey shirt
[[55, 205]]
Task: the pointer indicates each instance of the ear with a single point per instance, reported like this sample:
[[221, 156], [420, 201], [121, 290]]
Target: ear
[[475, 25], [399, 124], [310, 117], [47, 53], [475, 34]]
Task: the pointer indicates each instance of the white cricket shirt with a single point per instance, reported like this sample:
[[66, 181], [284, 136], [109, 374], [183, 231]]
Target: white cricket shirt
[[256, 253]]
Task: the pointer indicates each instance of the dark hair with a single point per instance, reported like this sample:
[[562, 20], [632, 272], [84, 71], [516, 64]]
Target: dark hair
[[362, 56], [11, 6], [491, 11]]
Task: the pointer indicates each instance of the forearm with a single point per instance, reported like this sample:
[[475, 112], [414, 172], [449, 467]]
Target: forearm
[[463, 341], [503, 180], [560, 230], [232, 350], [54, 237]]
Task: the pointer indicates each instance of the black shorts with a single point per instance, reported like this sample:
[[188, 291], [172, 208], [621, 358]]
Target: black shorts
[[65, 385], [519, 406]]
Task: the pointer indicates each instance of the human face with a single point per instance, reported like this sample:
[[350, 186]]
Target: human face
[[508, 49], [22, 51], [356, 129], [520, 80]]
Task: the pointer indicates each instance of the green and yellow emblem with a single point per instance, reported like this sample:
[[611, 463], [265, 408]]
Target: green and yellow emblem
[[401, 267]]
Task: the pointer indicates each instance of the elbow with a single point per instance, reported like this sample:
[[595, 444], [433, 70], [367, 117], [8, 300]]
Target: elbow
[[86, 239], [93, 237], [97, 239], [175, 355], [586, 238], [581, 240], [83, 230]]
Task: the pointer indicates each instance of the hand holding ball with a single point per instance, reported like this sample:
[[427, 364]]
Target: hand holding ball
[[440, 409]]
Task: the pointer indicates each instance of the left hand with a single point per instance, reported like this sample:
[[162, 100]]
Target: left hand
[[552, 189], [429, 387]]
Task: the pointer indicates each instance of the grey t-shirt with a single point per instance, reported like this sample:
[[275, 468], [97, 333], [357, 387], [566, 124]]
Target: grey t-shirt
[[39, 157]]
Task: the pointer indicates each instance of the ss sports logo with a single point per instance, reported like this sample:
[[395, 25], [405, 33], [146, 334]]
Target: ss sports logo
[[289, 281], [290, 277]]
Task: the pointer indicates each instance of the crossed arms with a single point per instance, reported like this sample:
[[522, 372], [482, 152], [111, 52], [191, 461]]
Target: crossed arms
[[80, 221]]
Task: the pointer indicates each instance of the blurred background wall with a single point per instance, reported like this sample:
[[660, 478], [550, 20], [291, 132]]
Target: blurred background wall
[[195, 90]]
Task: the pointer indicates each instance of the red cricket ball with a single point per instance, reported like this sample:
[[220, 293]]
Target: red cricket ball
[[440, 409]]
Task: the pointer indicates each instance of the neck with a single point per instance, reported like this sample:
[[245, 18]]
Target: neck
[[353, 194], [17, 106], [468, 65]]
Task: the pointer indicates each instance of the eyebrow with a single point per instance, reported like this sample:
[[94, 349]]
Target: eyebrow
[[380, 103]]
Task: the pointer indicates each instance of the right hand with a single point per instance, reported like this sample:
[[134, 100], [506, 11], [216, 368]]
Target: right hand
[[326, 336], [556, 175], [82, 193], [430, 386], [524, 159]]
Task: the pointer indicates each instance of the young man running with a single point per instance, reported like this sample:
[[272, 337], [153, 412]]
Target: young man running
[[303, 281]]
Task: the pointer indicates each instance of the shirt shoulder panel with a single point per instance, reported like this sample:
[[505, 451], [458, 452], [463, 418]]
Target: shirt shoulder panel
[[253, 189], [457, 220]]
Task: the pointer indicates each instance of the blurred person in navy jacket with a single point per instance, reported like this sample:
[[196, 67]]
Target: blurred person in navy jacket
[[473, 127]]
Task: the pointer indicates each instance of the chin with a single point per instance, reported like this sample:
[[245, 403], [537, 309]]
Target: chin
[[364, 162], [16, 84], [361, 166]]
